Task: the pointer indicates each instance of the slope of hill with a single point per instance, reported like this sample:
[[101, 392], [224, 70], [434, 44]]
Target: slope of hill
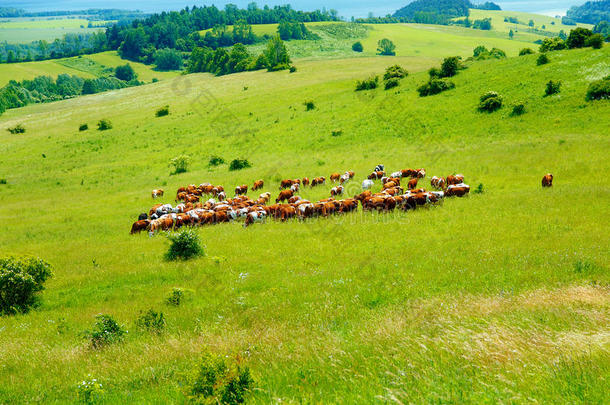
[[498, 297]]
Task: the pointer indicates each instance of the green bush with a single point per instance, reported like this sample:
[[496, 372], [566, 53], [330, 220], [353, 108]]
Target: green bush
[[125, 72], [595, 41], [168, 59], [599, 90], [450, 66], [542, 59], [175, 297], [180, 163], [434, 73], [3, 181], [163, 111], [184, 245], [17, 129], [151, 321], [386, 47], [357, 47], [391, 83], [336, 132], [552, 88], [105, 331], [552, 44], [83, 127], [518, 109], [367, 84], [215, 161], [578, 37], [395, 72], [490, 102], [435, 86], [238, 164], [526, 51], [103, 125], [215, 381], [309, 105], [20, 281]]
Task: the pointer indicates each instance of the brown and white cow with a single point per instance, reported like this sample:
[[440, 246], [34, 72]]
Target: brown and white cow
[[305, 181], [157, 193], [240, 190], [334, 177], [338, 190], [457, 190], [316, 181], [376, 175], [547, 180], [284, 195], [455, 179]]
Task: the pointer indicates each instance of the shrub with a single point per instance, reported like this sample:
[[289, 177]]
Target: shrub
[[599, 90], [578, 37], [518, 109], [435, 86], [434, 73], [180, 163], [83, 127], [595, 41], [336, 132], [552, 88], [17, 129], [395, 72], [155, 80], [367, 84], [151, 321], [89, 391], [526, 51], [391, 83], [184, 245], [163, 111], [490, 102], [386, 47], [3, 181], [450, 66], [309, 105], [175, 298], [168, 59], [542, 59], [20, 281], [213, 381], [238, 164], [292, 69], [357, 47], [105, 331], [103, 125], [479, 189], [552, 44], [125, 72], [215, 161]]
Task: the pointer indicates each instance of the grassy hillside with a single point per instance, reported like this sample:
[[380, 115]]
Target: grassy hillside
[[86, 66], [498, 297], [25, 30]]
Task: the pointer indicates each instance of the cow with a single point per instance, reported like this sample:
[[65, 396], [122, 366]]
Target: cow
[[360, 197], [366, 184], [243, 189], [305, 210], [457, 190], [294, 199], [334, 177], [139, 226], [142, 216], [412, 183], [157, 193], [286, 183], [344, 178], [376, 175], [284, 195], [255, 216], [265, 196], [396, 174], [287, 212], [379, 168], [420, 174], [348, 205], [437, 182], [295, 187], [547, 180], [408, 173], [351, 173], [338, 190], [316, 181], [222, 196], [455, 179]]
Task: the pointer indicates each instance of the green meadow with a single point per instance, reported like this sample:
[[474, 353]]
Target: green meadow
[[498, 297], [25, 30]]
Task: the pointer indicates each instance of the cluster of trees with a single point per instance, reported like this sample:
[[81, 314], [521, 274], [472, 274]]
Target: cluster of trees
[[578, 38], [69, 45], [294, 30], [481, 53], [44, 89], [602, 28], [488, 5], [592, 12], [222, 61], [483, 24], [220, 35], [438, 81]]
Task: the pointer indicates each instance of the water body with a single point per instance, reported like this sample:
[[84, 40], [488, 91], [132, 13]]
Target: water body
[[346, 8]]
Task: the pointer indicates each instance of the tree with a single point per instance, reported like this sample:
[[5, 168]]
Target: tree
[[10, 57], [595, 41], [133, 45], [125, 72], [168, 59], [578, 37], [276, 54], [89, 87], [531, 23], [450, 66], [357, 47], [386, 47], [511, 34]]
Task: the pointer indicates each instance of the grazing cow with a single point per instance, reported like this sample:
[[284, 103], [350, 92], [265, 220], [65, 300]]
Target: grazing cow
[[408, 173], [344, 178], [295, 187], [338, 190], [316, 181], [437, 182], [412, 183], [376, 175], [239, 190], [287, 212], [139, 226], [457, 190], [284, 195], [222, 196], [258, 184], [265, 196], [334, 177], [366, 184], [305, 210], [157, 193], [305, 181], [191, 198], [396, 174], [420, 174], [360, 197], [255, 216], [351, 173], [379, 168], [348, 205], [294, 199], [547, 180], [455, 179], [389, 184]]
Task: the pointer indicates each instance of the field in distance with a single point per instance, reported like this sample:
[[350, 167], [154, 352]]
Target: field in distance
[[27, 29]]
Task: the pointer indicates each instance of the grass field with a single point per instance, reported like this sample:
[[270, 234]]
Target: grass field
[[500, 297], [25, 30]]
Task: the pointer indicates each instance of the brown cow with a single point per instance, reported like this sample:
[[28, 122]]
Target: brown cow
[[408, 172], [455, 179], [258, 184], [547, 180], [139, 226], [157, 193], [317, 181], [243, 189], [334, 177], [286, 183], [457, 190], [287, 212], [338, 190], [284, 195], [360, 197], [376, 175], [412, 183], [305, 181]]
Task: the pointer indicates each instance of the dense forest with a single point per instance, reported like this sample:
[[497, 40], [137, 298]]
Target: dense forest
[[140, 39], [434, 11], [592, 12]]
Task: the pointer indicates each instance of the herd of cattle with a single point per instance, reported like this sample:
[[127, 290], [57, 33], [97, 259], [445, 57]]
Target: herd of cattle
[[208, 204]]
